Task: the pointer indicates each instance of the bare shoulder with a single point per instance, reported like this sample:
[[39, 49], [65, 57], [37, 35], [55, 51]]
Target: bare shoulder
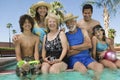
[[94, 38], [81, 23], [35, 37], [95, 22], [109, 41], [62, 33]]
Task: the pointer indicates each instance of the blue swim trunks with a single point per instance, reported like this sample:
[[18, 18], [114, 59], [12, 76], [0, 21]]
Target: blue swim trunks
[[85, 59]]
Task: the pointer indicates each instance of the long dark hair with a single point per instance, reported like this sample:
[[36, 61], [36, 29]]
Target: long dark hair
[[104, 37], [95, 28]]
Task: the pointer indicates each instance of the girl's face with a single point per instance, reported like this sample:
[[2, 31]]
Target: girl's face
[[42, 10], [99, 34], [52, 24]]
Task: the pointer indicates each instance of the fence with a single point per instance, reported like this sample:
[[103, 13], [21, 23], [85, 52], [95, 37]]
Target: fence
[[7, 53]]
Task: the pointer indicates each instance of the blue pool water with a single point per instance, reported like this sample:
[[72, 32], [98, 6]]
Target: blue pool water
[[107, 75]]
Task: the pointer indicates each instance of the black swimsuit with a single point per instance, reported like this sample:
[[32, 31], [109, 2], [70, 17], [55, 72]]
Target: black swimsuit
[[53, 47]]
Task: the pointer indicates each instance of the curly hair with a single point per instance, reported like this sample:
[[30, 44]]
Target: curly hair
[[22, 21]]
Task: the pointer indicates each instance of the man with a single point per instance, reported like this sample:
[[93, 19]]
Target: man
[[78, 55], [87, 22], [26, 48]]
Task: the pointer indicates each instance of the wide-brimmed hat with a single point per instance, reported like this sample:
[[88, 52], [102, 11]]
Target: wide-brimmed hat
[[69, 16], [40, 3], [32, 9]]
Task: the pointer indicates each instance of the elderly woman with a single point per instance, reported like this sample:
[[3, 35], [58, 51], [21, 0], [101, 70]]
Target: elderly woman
[[54, 47]]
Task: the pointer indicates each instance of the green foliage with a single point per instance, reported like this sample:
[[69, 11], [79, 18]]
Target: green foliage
[[111, 33], [9, 25], [57, 8], [111, 5], [117, 44], [6, 48], [14, 31]]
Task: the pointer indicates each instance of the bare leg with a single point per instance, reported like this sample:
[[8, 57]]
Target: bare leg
[[45, 68], [108, 64], [80, 67], [58, 67], [98, 68], [117, 63]]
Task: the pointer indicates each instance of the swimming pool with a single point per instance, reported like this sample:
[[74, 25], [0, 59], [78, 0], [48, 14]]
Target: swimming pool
[[107, 75]]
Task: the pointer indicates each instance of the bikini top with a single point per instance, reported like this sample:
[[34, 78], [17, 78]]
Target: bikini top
[[101, 46]]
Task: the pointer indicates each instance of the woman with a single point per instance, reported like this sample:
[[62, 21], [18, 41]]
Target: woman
[[41, 10], [101, 45], [54, 47]]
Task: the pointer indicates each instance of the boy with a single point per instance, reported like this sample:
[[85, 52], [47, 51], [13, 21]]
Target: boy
[[26, 48]]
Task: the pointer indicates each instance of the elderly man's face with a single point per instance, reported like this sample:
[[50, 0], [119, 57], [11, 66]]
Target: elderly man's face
[[71, 24]]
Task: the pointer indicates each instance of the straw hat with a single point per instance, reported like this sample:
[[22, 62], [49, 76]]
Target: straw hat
[[32, 9], [41, 3], [69, 16]]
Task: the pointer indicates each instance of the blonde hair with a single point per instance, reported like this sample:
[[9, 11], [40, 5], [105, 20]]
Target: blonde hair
[[52, 15]]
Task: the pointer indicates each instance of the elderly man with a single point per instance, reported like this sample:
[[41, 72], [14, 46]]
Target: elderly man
[[79, 42]]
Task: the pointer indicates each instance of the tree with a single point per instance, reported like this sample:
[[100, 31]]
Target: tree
[[9, 26], [14, 31], [109, 7], [111, 33], [58, 9]]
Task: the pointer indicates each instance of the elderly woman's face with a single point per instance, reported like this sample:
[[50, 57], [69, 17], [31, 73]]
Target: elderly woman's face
[[52, 23], [42, 10]]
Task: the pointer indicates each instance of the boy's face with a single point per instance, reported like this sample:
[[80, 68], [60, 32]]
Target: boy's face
[[27, 25], [87, 13]]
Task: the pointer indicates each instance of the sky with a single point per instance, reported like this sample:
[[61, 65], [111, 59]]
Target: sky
[[11, 10]]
